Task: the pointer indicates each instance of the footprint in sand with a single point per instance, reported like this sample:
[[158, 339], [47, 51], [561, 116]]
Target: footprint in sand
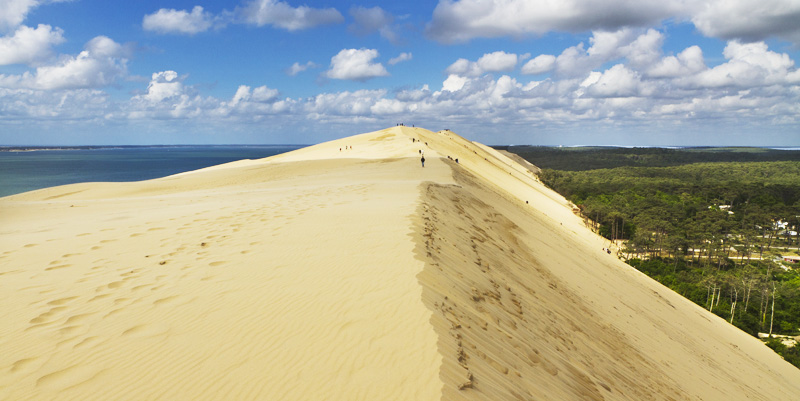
[[166, 300], [140, 287], [57, 267], [69, 377], [23, 364], [88, 341], [115, 284], [47, 316], [101, 296], [145, 330], [61, 301], [68, 330], [78, 319], [114, 312], [121, 300]]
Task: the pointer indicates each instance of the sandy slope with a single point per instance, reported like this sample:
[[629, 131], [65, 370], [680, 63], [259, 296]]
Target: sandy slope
[[347, 274]]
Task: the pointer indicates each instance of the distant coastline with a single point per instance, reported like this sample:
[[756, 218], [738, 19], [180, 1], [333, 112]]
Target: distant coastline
[[27, 168], [109, 147]]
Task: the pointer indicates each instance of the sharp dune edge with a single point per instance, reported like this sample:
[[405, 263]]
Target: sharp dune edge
[[350, 274]]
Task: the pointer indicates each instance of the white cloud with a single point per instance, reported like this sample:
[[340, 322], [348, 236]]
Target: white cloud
[[281, 15], [261, 94], [754, 90], [330, 106], [371, 20], [749, 20], [453, 83], [34, 106], [28, 45], [400, 58], [460, 21], [497, 61], [618, 81], [246, 102], [178, 21], [167, 97], [13, 12], [539, 65], [356, 65], [297, 68], [413, 95], [748, 65], [102, 63], [490, 62], [163, 85], [687, 62], [640, 48]]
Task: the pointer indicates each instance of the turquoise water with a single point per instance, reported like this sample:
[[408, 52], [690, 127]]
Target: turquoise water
[[30, 170]]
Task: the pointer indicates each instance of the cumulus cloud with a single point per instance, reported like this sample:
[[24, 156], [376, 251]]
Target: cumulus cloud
[[261, 94], [413, 95], [281, 15], [641, 48], [35, 106], [102, 63], [461, 21], [178, 21], [748, 65], [747, 20], [13, 12], [28, 45], [356, 65], [247, 103], [297, 68], [490, 62], [167, 97], [400, 58], [618, 79], [327, 106], [453, 83], [688, 62], [372, 20], [539, 65], [163, 85]]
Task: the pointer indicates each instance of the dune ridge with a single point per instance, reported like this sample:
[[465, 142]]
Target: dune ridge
[[345, 270]]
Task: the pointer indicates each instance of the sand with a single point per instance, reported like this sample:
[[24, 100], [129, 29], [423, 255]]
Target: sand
[[347, 274]]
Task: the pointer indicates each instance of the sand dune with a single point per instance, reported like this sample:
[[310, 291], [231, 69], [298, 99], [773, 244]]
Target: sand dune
[[338, 273]]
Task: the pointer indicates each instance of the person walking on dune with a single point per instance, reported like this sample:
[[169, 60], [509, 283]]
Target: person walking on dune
[[423, 161]]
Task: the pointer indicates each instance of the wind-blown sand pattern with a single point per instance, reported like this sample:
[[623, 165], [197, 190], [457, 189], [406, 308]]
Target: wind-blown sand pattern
[[350, 274]]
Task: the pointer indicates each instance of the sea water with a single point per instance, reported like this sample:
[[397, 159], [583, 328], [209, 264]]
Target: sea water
[[22, 171]]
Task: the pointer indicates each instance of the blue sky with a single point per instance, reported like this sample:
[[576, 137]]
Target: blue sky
[[617, 72]]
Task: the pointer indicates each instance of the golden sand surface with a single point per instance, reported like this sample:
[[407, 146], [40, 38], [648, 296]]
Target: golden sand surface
[[346, 271]]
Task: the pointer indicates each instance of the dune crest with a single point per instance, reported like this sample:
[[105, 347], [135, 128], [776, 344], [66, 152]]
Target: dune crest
[[346, 270]]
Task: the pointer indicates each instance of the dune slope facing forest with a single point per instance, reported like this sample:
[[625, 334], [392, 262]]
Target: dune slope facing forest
[[346, 270]]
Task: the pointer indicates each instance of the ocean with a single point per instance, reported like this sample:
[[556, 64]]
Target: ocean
[[22, 171]]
